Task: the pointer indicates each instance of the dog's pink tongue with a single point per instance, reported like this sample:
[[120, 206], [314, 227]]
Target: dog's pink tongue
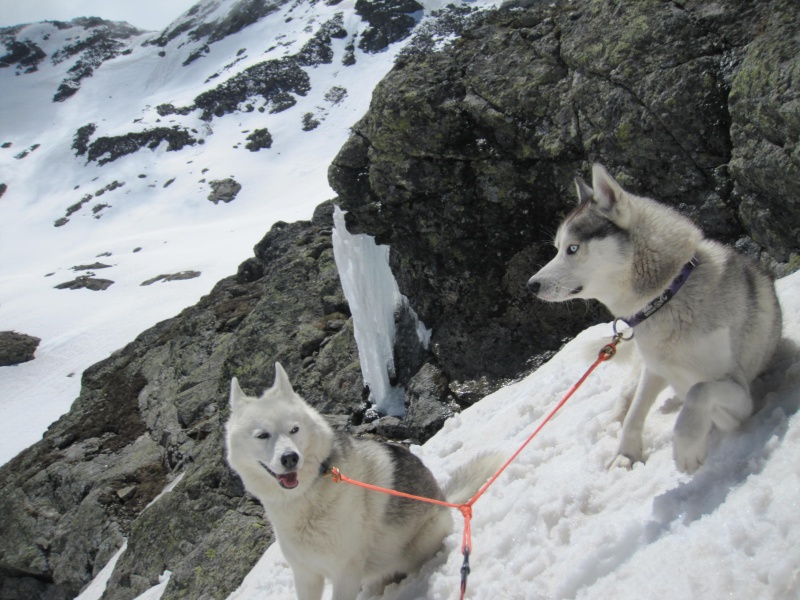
[[288, 480]]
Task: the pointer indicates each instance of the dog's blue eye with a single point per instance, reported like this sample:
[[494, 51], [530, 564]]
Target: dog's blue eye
[[295, 429], [572, 248], [262, 435]]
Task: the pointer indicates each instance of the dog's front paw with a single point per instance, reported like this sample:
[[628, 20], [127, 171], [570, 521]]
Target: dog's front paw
[[629, 451], [621, 461]]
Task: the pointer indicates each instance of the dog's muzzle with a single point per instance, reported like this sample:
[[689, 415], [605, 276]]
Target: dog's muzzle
[[287, 480]]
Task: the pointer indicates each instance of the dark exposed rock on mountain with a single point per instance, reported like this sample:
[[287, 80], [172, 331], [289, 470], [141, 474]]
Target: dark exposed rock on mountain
[[105, 41], [466, 158], [318, 49], [765, 134], [25, 54], [94, 42], [80, 141], [26, 152], [180, 276], [310, 123], [106, 149], [258, 140], [16, 348], [92, 267], [224, 190], [156, 407], [274, 81], [86, 282], [199, 27], [389, 20]]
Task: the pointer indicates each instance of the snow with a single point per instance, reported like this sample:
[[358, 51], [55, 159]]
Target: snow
[[373, 295], [559, 524], [149, 229]]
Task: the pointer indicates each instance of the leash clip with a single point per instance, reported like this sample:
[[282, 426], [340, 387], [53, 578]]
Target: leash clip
[[619, 336]]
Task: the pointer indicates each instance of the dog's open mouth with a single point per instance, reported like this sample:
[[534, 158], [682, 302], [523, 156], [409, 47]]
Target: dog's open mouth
[[287, 481]]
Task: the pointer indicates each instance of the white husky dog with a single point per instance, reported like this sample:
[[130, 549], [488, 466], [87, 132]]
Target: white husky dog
[[706, 320], [283, 449]]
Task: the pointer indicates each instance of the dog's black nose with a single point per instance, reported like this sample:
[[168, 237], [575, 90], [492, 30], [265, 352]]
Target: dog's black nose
[[289, 460], [534, 286]]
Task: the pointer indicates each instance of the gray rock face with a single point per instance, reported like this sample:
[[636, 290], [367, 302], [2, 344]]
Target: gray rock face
[[156, 408], [95, 284], [765, 131], [93, 42], [389, 20], [224, 190], [465, 161], [106, 149], [16, 348]]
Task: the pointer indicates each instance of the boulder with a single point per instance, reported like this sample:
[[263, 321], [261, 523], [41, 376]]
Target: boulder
[[224, 190], [95, 284], [464, 163], [16, 348]]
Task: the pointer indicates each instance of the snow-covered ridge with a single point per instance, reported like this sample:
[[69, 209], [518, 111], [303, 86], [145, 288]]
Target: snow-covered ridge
[[65, 204]]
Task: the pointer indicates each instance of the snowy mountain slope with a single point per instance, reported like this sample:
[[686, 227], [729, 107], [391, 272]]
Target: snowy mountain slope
[[146, 213], [557, 524]]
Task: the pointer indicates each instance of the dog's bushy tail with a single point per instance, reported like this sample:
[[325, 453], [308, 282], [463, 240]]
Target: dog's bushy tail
[[470, 476]]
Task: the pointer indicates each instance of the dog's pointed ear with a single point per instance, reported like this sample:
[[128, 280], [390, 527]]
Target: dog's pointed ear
[[609, 196], [585, 193], [282, 380], [237, 396]]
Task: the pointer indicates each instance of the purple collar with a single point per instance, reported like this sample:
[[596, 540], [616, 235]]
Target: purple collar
[[661, 300]]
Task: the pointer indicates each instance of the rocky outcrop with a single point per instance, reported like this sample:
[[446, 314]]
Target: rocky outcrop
[[156, 408], [275, 81], [180, 276], [94, 42], [80, 141], [95, 284], [466, 158], [106, 40], [224, 190], [17, 348], [318, 49], [258, 140], [765, 134], [106, 149], [200, 28], [389, 21], [25, 54]]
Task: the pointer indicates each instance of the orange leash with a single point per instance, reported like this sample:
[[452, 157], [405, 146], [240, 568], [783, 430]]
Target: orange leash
[[607, 352]]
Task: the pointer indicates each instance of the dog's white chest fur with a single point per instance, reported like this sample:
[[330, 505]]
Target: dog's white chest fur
[[683, 362]]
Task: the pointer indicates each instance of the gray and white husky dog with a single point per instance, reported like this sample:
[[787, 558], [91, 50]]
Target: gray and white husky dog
[[283, 449], [706, 320]]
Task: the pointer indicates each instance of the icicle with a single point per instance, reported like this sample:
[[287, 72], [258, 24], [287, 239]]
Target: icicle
[[372, 292]]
